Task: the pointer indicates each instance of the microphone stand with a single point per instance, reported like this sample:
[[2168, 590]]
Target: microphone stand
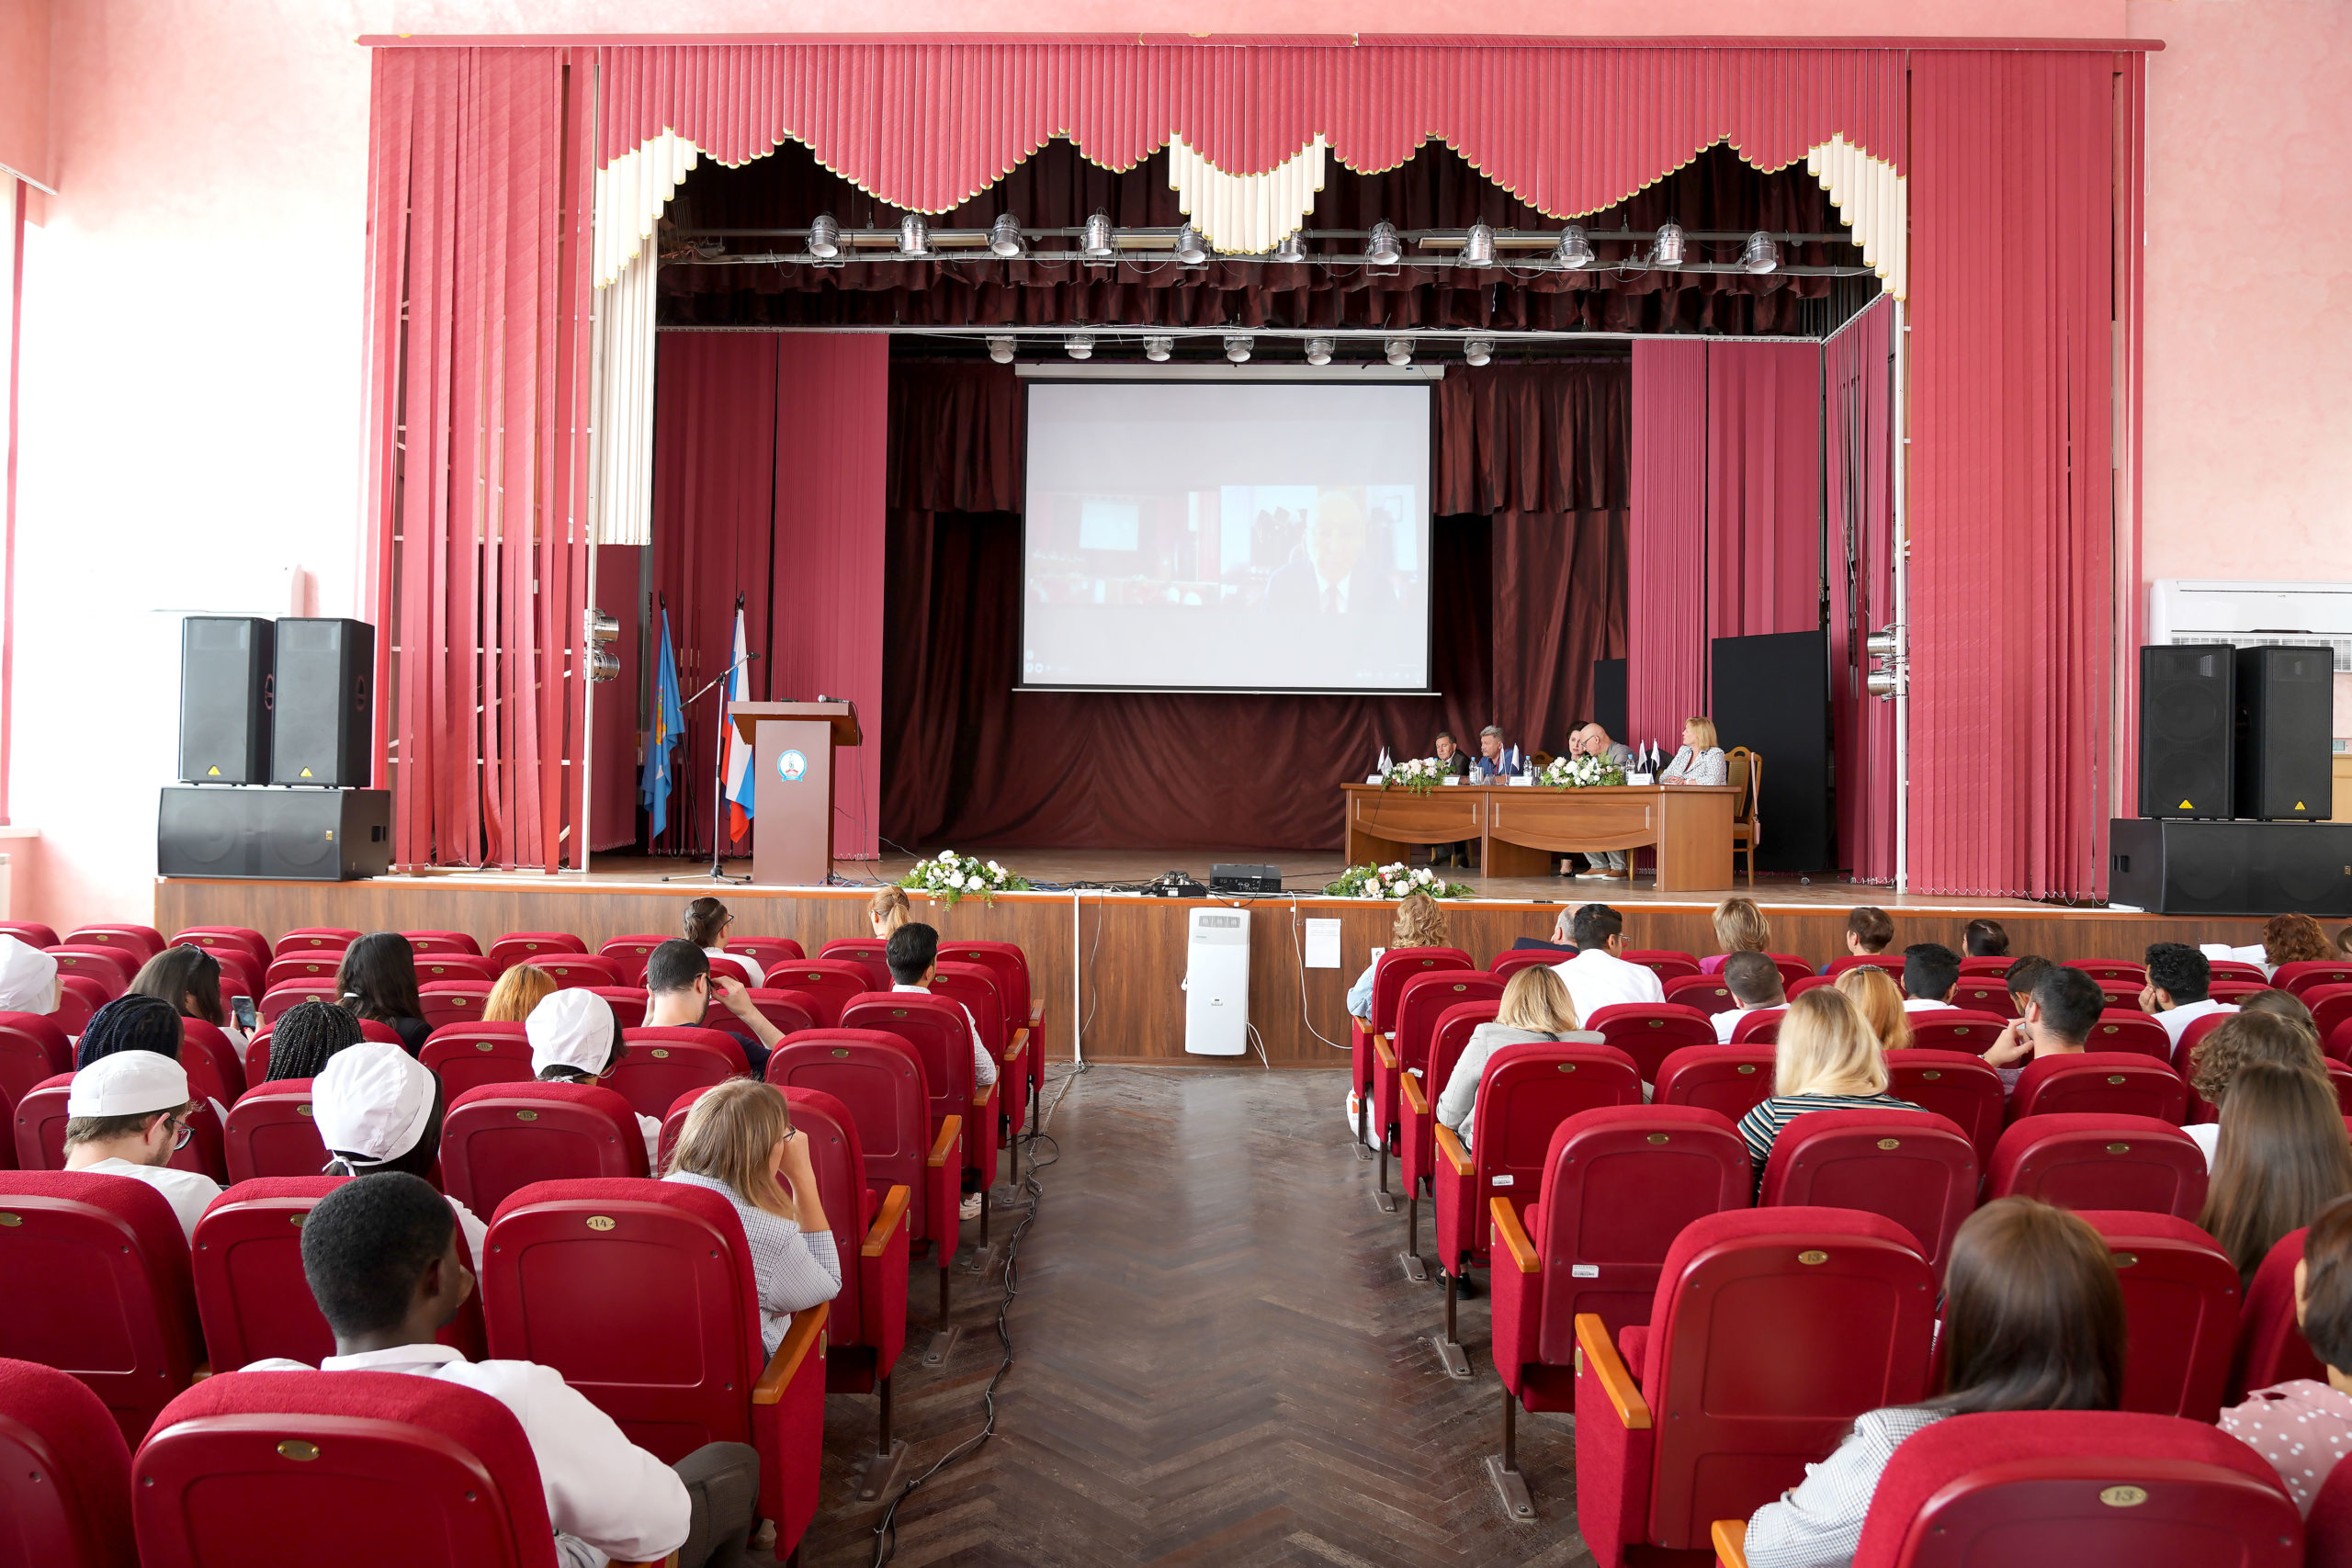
[[718, 872]]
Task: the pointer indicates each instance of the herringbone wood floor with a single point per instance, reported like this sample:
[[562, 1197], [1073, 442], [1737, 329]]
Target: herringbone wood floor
[[1219, 1362]]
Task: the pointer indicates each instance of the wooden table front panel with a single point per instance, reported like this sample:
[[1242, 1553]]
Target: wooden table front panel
[[1385, 824]]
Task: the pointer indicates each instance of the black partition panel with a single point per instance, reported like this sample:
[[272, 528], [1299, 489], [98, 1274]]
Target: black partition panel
[[1609, 697], [1772, 696]]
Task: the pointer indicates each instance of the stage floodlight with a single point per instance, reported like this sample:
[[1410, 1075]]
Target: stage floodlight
[[598, 627], [1478, 350], [1237, 346], [1005, 236], [1384, 249], [1478, 245], [1667, 249], [1291, 249], [1882, 685], [1079, 345], [1157, 349], [1761, 254], [1318, 351], [1099, 244], [1000, 350], [1880, 644], [1399, 350], [824, 237], [1574, 250], [1191, 249], [914, 235], [601, 663]]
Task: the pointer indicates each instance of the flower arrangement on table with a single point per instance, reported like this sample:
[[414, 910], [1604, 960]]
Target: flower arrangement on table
[[948, 876], [1581, 772], [1398, 881], [1419, 775]]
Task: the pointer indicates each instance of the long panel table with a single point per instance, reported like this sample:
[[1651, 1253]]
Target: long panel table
[[1523, 830]]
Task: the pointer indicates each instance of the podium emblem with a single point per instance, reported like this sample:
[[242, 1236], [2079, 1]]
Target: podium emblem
[[790, 766]]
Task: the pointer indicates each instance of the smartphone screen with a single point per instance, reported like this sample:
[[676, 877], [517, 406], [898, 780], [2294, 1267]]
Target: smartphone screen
[[242, 1009]]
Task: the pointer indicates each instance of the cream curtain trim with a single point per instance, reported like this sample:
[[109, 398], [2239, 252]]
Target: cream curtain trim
[[631, 191], [625, 404], [1875, 201], [1246, 214]]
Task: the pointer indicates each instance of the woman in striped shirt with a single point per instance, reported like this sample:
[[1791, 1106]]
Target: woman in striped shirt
[[1826, 1059], [739, 1142]]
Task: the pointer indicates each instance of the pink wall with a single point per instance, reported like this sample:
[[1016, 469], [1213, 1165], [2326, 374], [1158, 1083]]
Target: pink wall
[[24, 87]]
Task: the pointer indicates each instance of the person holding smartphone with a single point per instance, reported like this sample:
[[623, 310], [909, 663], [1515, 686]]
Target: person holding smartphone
[[189, 979]]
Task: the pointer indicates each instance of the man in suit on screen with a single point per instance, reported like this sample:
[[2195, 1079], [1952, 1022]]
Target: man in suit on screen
[[1332, 577]]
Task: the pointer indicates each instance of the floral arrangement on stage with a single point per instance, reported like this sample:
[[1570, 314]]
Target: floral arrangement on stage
[[948, 876], [1581, 772], [1398, 881], [1419, 775]]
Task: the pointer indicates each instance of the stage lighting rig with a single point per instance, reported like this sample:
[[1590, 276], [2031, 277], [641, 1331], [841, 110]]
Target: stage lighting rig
[[1478, 351], [1098, 243], [1574, 250], [1384, 249], [1000, 350], [1318, 350], [1761, 253], [1004, 237], [1189, 248], [1291, 249], [1478, 246], [1399, 351], [824, 237], [915, 236], [1237, 346], [1079, 345], [1666, 250], [1157, 349]]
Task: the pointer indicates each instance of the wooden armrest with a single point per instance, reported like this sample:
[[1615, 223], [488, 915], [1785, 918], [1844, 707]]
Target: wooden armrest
[[1731, 1542], [1414, 1099], [950, 1129], [1509, 1234], [1384, 1047], [806, 1336], [1601, 1360], [1450, 1148], [203, 1371], [1020, 1043], [983, 1095], [894, 1210], [1036, 1013]]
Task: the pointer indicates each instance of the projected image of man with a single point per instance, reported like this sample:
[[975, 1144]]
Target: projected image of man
[[1330, 576]]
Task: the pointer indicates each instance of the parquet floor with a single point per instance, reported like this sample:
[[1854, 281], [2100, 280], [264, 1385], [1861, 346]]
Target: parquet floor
[[1219, 1362]]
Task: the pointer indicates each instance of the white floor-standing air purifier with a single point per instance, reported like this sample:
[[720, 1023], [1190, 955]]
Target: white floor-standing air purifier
[[1217, 983]]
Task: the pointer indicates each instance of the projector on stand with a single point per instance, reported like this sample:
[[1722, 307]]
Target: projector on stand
[[1228, 879]]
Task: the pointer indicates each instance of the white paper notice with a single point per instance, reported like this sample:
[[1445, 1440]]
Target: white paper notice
[[1322, 944]]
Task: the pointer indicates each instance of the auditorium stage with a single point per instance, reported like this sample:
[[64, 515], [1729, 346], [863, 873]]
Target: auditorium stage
[[1126, 991]]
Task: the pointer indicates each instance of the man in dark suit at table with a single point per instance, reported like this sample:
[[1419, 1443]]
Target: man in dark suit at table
[[1330, 577], [1453, 760]]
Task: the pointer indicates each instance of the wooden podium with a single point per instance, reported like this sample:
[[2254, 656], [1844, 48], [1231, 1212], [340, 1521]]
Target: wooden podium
[[792, 755]]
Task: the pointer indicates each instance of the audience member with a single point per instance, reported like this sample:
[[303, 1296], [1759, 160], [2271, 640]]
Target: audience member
[[1700, 761], [377, 1108], [1930, 975], [679, 986], [2283, 1157], [2343, 942], [707, 923], [2020, 977], [1869, 930], [739, 1141], [305, 1036], [2304, 1427], [189, 979], [574, 1040], [27, 978], [1826, 1059], [1598, 977], [380, 1255], [2282, 1004], [1880, 1001], [1421, 922], [1591, 740], [377, 980], [2178, 977], [913, 957], [1535, 1009], [1753, 981], [521, 989], [1740, 927], [1986, 939], [889, 910], [2058, 1015], [2033, 1320], [132, 1021], [2256, 1035], [126, 1114], [2293, 939]]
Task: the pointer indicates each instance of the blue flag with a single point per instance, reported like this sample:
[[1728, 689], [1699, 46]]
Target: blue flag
[[669, 726]]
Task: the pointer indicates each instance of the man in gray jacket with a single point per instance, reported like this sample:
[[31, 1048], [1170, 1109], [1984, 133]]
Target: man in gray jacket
[[1592, 741]]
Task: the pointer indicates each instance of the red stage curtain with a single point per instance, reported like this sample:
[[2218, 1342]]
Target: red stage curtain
[[477, 464], [1763, 488], [1862, 586], [1666, 671], [613, 741], [2011, 590]]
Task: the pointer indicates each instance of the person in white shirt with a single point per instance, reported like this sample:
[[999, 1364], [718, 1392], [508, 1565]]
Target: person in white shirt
[[1930, 975], [707, 923], [912, 953], [2059, 1012], [27, 978], [378, 1108], [2178, 977], [126, 1115], [380, 1254], [574, 1040], [1753, 981], [680, 988], [1597, 978]]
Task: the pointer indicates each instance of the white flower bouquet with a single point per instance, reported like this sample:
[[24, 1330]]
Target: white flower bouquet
[[1581, 772], [1398, 881], [948, 876], [1418, 775]]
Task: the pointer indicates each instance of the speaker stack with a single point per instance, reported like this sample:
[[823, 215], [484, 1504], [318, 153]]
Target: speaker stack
[[2235, 779], [290, 702]]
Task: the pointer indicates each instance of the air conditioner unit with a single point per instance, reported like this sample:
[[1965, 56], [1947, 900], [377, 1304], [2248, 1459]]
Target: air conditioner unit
[[2252, 615]]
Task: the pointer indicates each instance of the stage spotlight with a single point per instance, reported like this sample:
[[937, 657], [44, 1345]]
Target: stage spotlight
[[1383, 249], [824, 237], [1000, 350], [1005, 236], [1291, 249], [1478, 245], [1880, 644], [1191, 249], [602, 664], [1318, 351], [1574, 250], [1097, 244], [1237, 346], [1478, 350], [1762, 254], [1081, 346], [1157, 349], [1399, 350], [914, 235], [1667, 249]]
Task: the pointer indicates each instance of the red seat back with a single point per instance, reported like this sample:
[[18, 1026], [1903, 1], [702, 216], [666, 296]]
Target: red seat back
[[865, 952], [453, 1002], [2121, 994], [1759, 1026], [433, 966], [1447, 1038], [2118, 1083], [32, 933], [651, 1074], [974, 985], [40, 1125], [78, 995], [1525, 1092], [1668, 964], [877, 1079], [303, 968], [1796, 988], [1651, 1032], [1890, 962], [240, 975], [270, 1133], [1956, 1086], [530, 947], [139, 943], [1996, 968], [1990, 998], [395, 1469], [1399, 965], [504, 1136], [314, 939], [628, 954], [2306, 973], [1512, 960], [628, 1004], [789, 1011], [2129, 1029], [2234, 969], [2235, 992], [2119, 969], [214, 1070], [935, 1029], [443, 944], [1913, 1167], [1772, 1330], [1971, 1033], [1006, 963], [277, 1001], [1792, 967], [1707, 993], [1730, 1080], [65, 1474], [1620, 1183], [770, 951], [2331, 1008], [2184, 1053], [1428, 996], [215, 940], [838, 1164], [32, 1047], [468, 1055], [2271, 1347], [111, 967], [96, 1284], [2180, 1312], [581, 969], [830, 984], [723, 966], [2100, 1162]]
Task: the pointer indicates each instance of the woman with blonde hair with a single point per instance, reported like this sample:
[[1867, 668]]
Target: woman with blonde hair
[[521, 989], [1740, 927], [739, 1142], [1880, 1000], [889, 910], [1535, 1009], [1826, 1059], [1419, 923], [1700, 761]]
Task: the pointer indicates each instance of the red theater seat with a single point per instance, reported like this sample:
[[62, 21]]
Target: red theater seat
[[1985, 968], [433, 966], [2116, 969], [111, 967], [1913, 1167], [866, 952], [1792, 967], [139, 943], [1416, 1142], [629, 1003], [788, 1011], [2184, 1053], [214, 1069], [65, 1474], [2129, 1029], [1668, 964], [1651, 1032], [2123, 994], [530, 947], [293, 993], [1992, 999], [314, 939], [628, 954], [2231, 969], [768, 950], [1890, 962], [2104, 1083], [2306, 973], [941, 1038], [1730, 1080], [32, 933], [301, 969], [1760, 1026], [468, 1055], [213, 938], [453, 1002], [1796, 988], [1812, 1315], [503, 1136], [974, 986], [1512, 960], [1022, 1006], [651, 1074], [1405, 1050], [577, 969], [2180, 1312], [2271, 1347], [2100, 1162], [2331, 1008], [241, 974], [458, 944], [96, 1285], [78, 995], [40, 1132], [270, 1133], [868, 1326], [32, 1048], [1956, 1086], [1389, 973], [2236, 991], [830, 984], [1956, 1029], [1707, 993]]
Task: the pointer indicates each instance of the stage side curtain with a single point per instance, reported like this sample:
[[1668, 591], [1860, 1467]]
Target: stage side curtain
[[1763, 488], [613, 740], [2011, 595], [478, 339], [1666, 671], [1862, 586]]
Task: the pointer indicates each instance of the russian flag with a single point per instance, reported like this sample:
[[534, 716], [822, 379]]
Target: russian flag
[[740, 787]]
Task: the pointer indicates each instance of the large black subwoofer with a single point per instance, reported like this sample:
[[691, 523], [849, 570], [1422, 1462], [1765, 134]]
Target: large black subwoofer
[[299, 835], [2230, 868]]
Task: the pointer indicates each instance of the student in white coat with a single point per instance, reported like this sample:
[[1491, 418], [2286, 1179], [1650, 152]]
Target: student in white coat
[[574, 1040]]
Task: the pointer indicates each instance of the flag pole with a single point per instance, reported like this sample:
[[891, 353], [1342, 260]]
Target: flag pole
[[718, 872]]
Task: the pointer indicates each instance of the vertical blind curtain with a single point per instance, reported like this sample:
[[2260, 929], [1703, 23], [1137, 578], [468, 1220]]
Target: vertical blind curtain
[[1860, 501], [2011, 592], [478, 336], [1665, 670]]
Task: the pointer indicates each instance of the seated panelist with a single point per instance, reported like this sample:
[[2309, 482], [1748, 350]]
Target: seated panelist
[[1496, 758], [1700, 761]]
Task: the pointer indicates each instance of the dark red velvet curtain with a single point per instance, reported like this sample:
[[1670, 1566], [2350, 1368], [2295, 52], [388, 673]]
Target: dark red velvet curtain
[[1529, 590], [1861, 585]]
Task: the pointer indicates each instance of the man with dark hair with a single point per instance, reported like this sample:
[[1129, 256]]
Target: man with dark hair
[[679, 989], [380, 1254], [2020, 979], [1597, 977], [1930, 975], [1986, 939], [1753, 981], [1868, 929], [2059, 1012], [2178, 977], [912, 954]]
